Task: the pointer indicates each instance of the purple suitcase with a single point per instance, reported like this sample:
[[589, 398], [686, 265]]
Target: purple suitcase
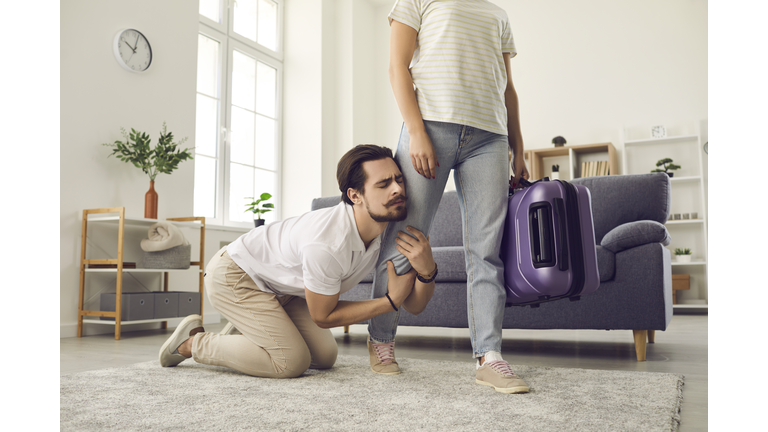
[[548, 245]]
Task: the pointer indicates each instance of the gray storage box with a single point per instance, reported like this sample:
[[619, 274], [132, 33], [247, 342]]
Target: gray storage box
[[166, 304], [189, 303], [135, 305], [177, 257]]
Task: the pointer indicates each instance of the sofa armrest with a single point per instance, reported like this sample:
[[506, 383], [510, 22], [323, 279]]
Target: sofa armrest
[[633, 234], [618, 199]]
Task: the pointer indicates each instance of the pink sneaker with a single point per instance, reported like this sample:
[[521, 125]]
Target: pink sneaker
[[497, 374], [383, 358]]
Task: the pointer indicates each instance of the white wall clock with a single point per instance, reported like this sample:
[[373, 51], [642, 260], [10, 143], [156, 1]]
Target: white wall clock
[[658, 132], [132, 50]]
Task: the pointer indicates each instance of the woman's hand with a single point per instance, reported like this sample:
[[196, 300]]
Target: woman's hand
[[417, 250], [519, 170], [423, 155]]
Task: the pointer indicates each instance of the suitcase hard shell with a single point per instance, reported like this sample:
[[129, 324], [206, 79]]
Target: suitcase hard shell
[[548, 244]]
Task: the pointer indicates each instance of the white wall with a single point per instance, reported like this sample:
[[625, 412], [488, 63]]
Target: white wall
[[98, 97]]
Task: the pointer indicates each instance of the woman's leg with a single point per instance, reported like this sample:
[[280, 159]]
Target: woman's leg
[[482, 185], [424, 196], [270, 344]]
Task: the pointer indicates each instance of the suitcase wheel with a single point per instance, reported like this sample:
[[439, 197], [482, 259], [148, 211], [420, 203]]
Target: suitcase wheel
[[576, 298]]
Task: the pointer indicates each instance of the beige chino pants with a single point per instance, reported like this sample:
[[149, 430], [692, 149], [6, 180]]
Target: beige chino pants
[[279, 338]]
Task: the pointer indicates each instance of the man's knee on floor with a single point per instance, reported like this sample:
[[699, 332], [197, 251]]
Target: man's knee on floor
[[325, 358], [294, 365]]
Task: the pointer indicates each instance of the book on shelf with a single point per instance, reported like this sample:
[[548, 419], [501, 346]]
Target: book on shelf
[[595, 168]]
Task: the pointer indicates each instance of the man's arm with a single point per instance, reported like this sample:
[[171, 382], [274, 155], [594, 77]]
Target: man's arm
[[327, 311], [417, 249]]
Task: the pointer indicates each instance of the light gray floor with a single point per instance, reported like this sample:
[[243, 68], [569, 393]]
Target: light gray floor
[[681, 349]]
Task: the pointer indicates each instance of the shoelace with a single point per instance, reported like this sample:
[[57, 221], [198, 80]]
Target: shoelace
[[385, 352], [501, 367]]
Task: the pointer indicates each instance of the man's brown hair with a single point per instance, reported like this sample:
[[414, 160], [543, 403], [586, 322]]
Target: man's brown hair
[[350, 172]]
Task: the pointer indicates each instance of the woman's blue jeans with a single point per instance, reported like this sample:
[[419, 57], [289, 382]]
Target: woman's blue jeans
[[481, 174]]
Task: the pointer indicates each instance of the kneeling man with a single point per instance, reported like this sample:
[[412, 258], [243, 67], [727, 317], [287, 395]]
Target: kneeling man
[[279, 284]]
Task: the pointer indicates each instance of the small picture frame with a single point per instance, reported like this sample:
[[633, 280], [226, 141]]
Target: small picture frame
[[658, 131]]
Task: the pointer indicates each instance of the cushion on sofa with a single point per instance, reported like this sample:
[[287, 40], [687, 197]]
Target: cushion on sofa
[[618, 199], [606, 263], [635, 234]]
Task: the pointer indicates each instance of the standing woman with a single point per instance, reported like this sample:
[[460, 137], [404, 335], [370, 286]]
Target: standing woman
[[450, 74]]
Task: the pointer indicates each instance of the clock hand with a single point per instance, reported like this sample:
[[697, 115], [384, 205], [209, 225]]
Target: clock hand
[[136, 44], [129, 46]]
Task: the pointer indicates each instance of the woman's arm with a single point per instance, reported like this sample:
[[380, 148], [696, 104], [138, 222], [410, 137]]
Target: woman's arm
[[515, 136], [402, 44]]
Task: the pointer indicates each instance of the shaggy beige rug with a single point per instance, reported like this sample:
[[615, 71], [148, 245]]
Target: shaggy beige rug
[[428, 395]]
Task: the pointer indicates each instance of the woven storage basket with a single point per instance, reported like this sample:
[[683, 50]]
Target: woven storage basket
[[174, 258]]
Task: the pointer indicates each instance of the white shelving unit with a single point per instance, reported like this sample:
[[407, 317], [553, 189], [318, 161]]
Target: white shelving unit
[[689, 187], [114, 217]]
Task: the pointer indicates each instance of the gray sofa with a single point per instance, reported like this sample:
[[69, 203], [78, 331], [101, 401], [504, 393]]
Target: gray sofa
[[635, 291]]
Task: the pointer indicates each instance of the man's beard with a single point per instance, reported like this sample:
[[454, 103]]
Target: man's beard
[[392, 215]]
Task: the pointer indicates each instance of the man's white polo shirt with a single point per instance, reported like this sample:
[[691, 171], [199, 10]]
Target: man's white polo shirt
[[321, 250]]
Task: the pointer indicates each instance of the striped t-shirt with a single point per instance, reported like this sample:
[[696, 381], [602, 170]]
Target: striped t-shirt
[[458, 68]]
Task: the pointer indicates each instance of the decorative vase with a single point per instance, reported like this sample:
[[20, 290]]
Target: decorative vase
[[670, 174], [150, 202], [684, 258], [555, 176], [258, 222]]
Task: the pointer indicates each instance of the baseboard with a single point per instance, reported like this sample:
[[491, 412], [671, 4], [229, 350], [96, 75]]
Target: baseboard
[[70, 330]]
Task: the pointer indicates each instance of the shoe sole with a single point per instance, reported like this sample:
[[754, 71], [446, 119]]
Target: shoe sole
[[508, 390], [386, 373], [181, 325]]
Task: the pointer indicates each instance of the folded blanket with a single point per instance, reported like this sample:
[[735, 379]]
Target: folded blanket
[[162, 236]]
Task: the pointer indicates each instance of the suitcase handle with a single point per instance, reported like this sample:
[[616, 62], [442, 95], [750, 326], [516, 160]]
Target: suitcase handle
[[562, 252]]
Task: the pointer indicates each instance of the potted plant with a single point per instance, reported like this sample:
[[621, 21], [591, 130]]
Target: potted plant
[[163, 158], [559, 141], [258, 207], [555, 172], [683, 255], [668, 166]]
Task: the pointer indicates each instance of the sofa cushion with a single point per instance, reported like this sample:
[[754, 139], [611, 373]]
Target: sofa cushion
[[635, 234], [606, 263], [618, 199], [451, 266]]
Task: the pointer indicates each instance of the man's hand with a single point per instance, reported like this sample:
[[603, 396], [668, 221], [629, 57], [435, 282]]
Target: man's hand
[[417, 250], [400, 287]]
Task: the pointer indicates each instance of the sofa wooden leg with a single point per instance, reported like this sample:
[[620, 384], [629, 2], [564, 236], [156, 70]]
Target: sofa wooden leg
[[640, 343], [346, 329], [651, 336]]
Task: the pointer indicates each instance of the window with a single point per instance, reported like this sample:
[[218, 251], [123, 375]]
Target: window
[[239, 95]]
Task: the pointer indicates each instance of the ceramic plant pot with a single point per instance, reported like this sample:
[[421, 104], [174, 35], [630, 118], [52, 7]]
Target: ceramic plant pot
[[683, 258], [150, 202]]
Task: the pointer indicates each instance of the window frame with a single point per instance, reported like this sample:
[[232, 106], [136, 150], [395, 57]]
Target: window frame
[[230, 41]]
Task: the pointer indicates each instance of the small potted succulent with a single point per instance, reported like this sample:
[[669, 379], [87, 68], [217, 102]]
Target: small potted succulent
[[559, 141], [258, 207], [555, 172], [683, 255], [668, 166]]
